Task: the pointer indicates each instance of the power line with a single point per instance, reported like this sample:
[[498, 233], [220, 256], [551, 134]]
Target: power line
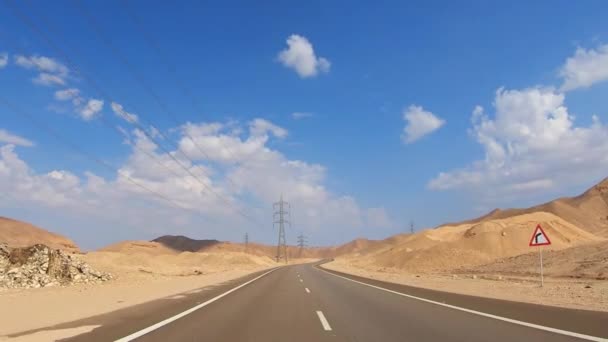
[[140, 79], [137, 76], [281, 218], [171, 68], [124, 135], [51, 132], [105, 95]]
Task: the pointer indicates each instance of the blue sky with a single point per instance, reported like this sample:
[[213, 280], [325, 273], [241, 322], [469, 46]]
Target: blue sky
[[349, 165]]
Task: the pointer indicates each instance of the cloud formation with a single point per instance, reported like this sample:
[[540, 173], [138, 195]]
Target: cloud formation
[[300, 56], [123, 114], [531, 143], [585, 68], [9, 138], [3, 59], [419, 123], [51, 72], [250, 178], [67, 94], [91, 109]]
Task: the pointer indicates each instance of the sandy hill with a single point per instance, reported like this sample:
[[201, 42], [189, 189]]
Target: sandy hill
[[183, 243], [138, 247], [499, 240], [130, 258], [21, 234], [470, 244], [588, 211]]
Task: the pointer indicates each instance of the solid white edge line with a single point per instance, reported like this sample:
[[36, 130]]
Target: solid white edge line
[[324, 321], [160, 324], [307, 290], [479, 313]]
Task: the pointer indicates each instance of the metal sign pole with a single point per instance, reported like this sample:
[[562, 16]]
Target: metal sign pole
[[542, 280]]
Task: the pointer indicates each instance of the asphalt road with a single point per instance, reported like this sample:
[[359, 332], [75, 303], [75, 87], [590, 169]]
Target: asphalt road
[[304, 303]]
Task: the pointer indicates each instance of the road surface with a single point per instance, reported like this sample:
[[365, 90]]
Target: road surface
[[305, 303]]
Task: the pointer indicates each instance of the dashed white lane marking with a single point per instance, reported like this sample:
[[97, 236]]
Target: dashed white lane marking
[[323, 320], [160, 324], [307, 290], [479, 313]]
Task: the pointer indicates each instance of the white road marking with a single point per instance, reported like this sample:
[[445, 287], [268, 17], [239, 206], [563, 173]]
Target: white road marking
[[187, 312], [301, 281], [307, 290], [479, 313], [323, 320]]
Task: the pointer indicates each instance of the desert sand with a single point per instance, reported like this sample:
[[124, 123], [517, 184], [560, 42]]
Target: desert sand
[[21, 234], [587, 294], [489, 256], [143, 271]]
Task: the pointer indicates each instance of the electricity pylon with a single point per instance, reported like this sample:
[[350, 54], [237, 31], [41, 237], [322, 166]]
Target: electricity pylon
[[412, 227], [281, 217], [301, 244]]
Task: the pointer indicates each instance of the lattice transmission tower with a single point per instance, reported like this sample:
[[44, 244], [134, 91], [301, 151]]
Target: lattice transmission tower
[[281, 217], [301, 244]]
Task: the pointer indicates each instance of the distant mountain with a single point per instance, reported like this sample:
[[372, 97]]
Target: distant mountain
[[16, 233], [184, 244], [588, 211]]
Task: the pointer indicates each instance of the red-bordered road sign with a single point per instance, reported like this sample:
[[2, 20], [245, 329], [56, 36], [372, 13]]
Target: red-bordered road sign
[[539, 238]]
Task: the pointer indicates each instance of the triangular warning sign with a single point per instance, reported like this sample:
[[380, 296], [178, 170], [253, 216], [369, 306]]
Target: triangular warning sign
[[539, 238]]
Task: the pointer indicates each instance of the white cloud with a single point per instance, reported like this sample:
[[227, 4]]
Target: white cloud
[[48, 79], [51, 71], [530, 144], [300, 56], [123, 114], [92, 107], [3, 59], [9, 138], [585, 68], [42, 64], [300, 115], [254, 179], [419, 123], [260, 127], [67, 94]]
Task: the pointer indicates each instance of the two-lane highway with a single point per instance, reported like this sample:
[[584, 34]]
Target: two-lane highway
[[305, 303]]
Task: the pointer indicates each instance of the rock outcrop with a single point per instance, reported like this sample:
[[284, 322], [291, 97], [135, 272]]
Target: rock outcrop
[[40, 266]]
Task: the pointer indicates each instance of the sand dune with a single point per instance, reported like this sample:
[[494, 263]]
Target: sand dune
[[450, 247], [588, 211], [16, 233]]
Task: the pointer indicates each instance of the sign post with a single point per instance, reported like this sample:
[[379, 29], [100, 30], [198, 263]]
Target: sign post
[[539, 239]]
